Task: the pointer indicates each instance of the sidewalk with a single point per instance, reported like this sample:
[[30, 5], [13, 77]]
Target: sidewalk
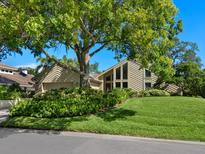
[[3, 115]]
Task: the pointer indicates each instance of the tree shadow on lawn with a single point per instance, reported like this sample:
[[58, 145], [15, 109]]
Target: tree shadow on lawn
[[42, 126], [118, 113]]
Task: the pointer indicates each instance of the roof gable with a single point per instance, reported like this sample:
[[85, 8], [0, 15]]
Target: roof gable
[[59, 74], [117, 65]]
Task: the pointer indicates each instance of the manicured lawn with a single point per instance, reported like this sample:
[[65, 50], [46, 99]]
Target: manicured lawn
[[159, 117]]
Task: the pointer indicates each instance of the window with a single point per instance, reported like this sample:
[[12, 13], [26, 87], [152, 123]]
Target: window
[[108, 87], [147, 74], [125, 71], [108, 78], [148, 85], [125, 85], [118, 73], [118, 84]]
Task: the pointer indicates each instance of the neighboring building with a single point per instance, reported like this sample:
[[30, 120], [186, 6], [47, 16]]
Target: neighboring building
[[10, 75], [59, 77]]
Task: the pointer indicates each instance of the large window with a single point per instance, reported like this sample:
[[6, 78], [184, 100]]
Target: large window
[[108, 78], [148, 85], [125, 85], [118, 84], [118, 73], [108, 87], [125, 71], [148, 74]]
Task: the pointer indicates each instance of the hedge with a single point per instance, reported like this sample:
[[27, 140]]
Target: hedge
[[153, 92], [69, 103]]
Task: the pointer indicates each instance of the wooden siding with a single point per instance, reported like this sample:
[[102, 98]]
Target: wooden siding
[[57, 85], [59, 77], [135, 76], [173, 89], [151, 79], [59, 74]]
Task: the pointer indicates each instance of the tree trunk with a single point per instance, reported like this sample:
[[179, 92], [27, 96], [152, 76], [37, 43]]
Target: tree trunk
[[158, 83], [84, 71], [82, 75]]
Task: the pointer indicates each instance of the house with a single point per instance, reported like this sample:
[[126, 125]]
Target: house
[[126, 74], [131, 74], [58, 77], [10, 75]]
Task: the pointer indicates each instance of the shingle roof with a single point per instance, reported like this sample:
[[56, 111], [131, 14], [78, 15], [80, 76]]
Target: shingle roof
[[59, 74], [17, 77], [3, 66]]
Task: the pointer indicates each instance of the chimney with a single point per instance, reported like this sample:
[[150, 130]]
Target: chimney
[[25, 72]]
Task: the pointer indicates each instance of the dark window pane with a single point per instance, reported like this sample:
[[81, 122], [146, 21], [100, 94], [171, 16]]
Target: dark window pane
[[108, 87], [147, 73], [125, 85], [148, 85], [118, 84], [118, 73], [108, 78], [125, 71]]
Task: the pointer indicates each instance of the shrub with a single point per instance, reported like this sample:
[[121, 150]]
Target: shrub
[[119, 95], [10, 92], [68, 103], [153, 92], [203, 90]]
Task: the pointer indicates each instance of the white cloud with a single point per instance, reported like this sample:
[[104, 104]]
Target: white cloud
[[32, 65]]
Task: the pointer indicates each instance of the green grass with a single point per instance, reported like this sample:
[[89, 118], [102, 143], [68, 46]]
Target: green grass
[[158, 117]]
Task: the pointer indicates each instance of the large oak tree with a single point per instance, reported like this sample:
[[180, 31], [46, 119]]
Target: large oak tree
[[138, 29]]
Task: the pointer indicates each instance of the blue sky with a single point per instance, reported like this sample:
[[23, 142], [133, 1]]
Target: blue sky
[[192, 12]]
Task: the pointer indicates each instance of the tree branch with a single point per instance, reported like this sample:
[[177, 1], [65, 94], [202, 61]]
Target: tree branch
[[85, 29], [72, 47], [96, 51], [60, 63]]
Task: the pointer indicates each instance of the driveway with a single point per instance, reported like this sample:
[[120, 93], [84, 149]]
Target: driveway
[[50, 142]]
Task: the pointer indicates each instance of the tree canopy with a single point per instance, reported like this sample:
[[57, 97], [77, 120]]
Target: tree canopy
[[189, 75], [142, 30], [47, 64]]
